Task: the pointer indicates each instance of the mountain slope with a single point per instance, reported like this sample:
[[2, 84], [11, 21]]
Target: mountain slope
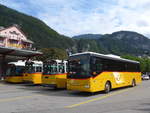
[[35, 29], [88, 36], [122, 42]]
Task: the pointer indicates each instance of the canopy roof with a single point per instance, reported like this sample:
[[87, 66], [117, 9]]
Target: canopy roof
[[28, 41], [18, 52]]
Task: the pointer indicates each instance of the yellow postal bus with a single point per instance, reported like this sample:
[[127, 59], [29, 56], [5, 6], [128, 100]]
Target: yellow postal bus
[[14, 73], [92, 72], [33, 72], [55, 73]]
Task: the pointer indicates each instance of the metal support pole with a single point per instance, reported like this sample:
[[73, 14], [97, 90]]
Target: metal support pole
[[3, 66]]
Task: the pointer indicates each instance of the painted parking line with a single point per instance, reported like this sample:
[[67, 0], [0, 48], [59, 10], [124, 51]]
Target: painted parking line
[[17, 98], [5, 91], [8, 91], [98, 98], [2, 85]]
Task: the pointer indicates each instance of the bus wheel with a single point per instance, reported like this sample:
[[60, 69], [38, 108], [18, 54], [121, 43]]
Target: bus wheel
[[107, 87], [133, 83]]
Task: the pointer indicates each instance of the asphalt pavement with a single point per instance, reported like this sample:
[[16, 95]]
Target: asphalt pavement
[[26, 98]]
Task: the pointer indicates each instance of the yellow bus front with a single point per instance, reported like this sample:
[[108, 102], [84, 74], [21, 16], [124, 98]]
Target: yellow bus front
[[54, 73], [14, 72], [80, 85], [55, 80], [33, 72], [89, 84], [35, 78], [14, 79]]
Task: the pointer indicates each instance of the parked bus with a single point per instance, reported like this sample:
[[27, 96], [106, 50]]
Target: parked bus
[[55, 73], [33, 72], [93, 72], [14, 73]]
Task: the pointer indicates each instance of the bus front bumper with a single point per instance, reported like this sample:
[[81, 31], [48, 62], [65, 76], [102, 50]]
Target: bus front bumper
[[14, 79], [84, 87]]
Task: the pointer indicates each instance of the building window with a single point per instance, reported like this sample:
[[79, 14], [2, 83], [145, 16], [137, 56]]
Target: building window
[[13, 41], [1, 41]]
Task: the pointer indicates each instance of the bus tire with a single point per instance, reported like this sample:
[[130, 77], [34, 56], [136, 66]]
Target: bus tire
[[133, 83], [107, 87]]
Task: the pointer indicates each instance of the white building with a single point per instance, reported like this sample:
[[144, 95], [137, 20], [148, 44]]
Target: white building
[[13, 37]]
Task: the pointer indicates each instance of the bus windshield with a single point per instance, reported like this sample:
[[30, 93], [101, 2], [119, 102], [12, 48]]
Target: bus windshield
[[38, 68], [30, 69], [33, 69], [54, 67], [50, 68], [79, 67], [15, 71]]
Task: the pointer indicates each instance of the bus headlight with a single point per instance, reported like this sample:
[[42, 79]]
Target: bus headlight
[[87, 86]]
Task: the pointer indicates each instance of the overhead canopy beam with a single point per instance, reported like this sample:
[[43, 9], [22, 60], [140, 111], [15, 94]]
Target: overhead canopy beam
[[8, 52], [18, 52]]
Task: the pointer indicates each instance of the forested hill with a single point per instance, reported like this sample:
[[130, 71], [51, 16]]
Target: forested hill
[[119, 43], [88, 36], [35, 29]]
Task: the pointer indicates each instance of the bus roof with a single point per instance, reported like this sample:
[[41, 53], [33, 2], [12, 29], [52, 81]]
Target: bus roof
[[35, 63], [60, 61], [56, 60], [113, 57], [18, 63]]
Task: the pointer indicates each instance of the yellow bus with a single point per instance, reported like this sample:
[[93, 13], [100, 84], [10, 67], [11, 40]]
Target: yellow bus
[[55, 73], [33, 72], [14, 72], [93, 72]]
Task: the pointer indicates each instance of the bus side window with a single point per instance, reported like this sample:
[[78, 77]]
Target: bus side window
[[96, 66], [61, 68], [38, 69], [138, 68], [66, 67], [13, 71]]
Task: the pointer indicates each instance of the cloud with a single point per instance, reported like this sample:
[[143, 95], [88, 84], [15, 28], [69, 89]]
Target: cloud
[[22, 6], [142, 23], [73, 17]]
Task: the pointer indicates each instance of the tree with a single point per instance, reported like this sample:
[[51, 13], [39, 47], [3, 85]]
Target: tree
[[52, 53], [144, 62]]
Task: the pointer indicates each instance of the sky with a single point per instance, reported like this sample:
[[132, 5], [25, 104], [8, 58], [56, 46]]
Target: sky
[[75, 17]]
